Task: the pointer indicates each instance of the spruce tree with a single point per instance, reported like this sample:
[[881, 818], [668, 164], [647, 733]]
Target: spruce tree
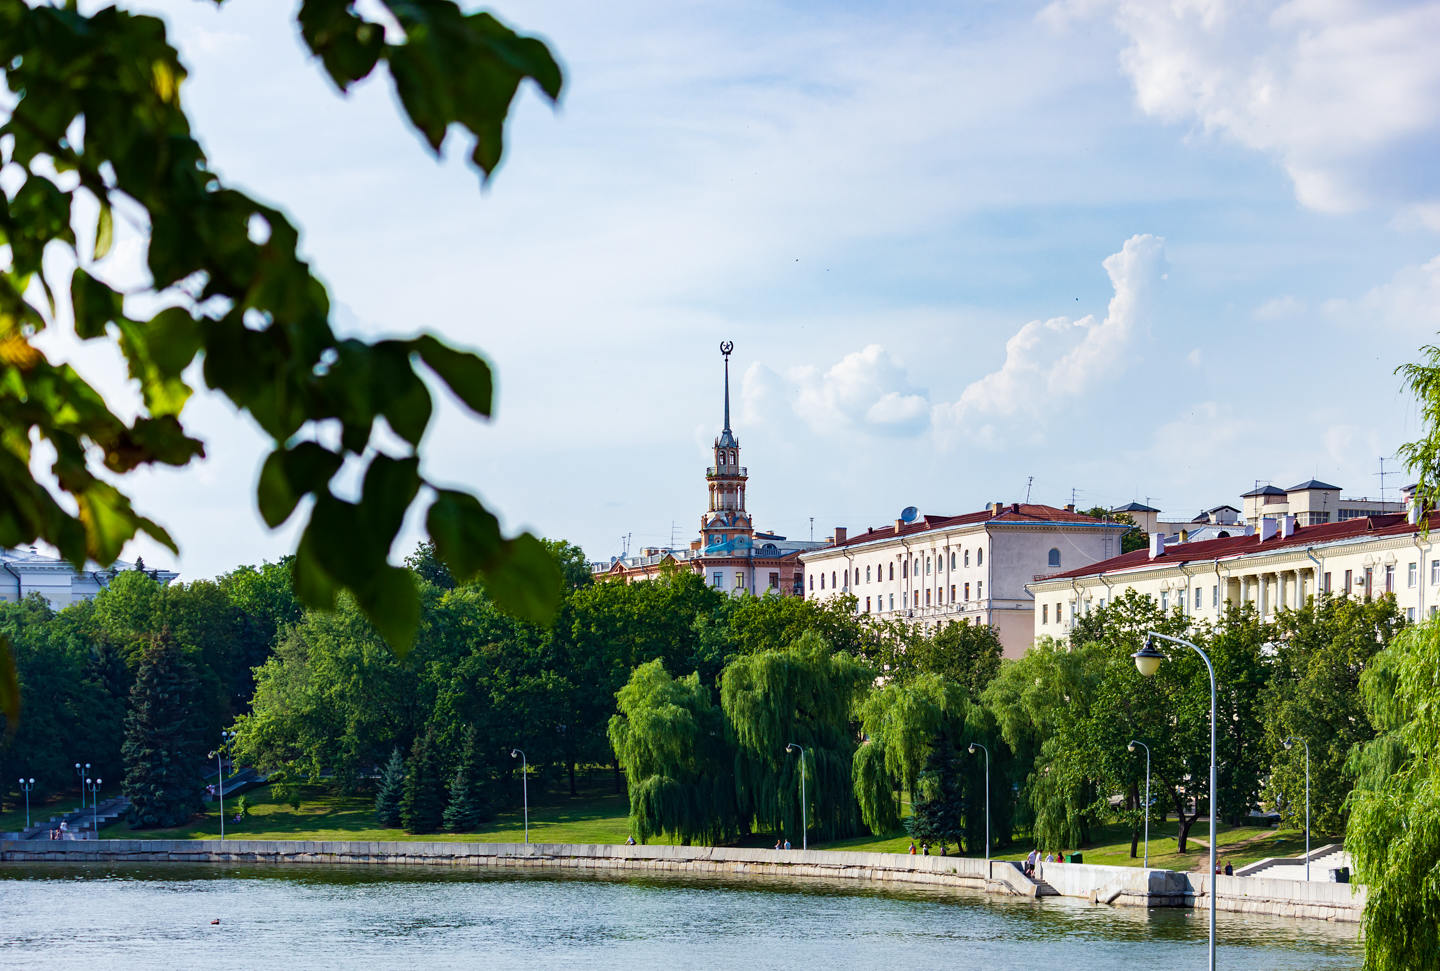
[[467, 807], [163, 750], [938, 811], [422, 807], [392, 789]]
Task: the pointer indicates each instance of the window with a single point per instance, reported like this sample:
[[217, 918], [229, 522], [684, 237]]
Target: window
[[812, 582], [892, 576], [1215, 596], [822, 581], [1410, 614], [979, 589], [867, 605], [952, 593], [927, 597], [1054, 557], [917, 566], [1411, 572], [1435, 571], [1326, 584], [1349, 579], [739, 579], [952, 559], [967, 591], [832, 578], [867, 574], [1164, 601], [979, 557], [1198, 593], [1057, 613], [718, 579], [928, 562], [1390, 579], [1434, 611], [774, 581], [892, 601], [857, 574], [1369, 581], [905, 600], [967, 557], [904, 569], [1044, 613]]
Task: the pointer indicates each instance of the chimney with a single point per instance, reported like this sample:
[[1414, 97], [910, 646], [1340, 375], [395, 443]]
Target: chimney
[[839, 535], [995, 508], [1184, 535], [694, 544], [1069, 507], [1157, 545], [1015, 507], [1267, 528], [1287, 526], [899, 525]]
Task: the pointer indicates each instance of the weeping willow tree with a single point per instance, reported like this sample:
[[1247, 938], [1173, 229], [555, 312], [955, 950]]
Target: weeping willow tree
[[1394, 830], [903, 724], [804, 695], [669, 738]]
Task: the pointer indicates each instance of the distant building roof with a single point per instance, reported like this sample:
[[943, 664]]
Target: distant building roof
[[1134, 507], [1015, 513], [1267, 490], [1365, 527], [1313, 484]]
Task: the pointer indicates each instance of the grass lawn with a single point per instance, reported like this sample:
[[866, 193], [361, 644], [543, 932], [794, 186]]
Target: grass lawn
[[595, 816]]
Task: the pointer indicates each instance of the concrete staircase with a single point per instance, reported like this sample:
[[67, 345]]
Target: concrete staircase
[[1323, 859]]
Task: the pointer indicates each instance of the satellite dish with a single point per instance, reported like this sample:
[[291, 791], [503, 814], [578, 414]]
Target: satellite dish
[[908, 514]]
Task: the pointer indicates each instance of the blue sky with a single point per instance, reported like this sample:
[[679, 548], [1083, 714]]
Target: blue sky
[[1134, 249]]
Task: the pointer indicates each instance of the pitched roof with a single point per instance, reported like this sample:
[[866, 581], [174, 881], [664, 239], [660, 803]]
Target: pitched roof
[[1391, 524], [1266, 490], [1016, 513], [1313, 484], [1134, 507]]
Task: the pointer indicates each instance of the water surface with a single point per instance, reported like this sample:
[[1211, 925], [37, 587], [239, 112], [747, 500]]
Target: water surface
[[291, 917]]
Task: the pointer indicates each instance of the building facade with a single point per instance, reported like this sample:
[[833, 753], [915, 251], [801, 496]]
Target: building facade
[[972, 567], [1280, 564], [731, 554], [1311, 502], [23, 572]]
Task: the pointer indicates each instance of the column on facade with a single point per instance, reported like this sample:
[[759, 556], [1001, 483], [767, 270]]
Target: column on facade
[[1282, 588]]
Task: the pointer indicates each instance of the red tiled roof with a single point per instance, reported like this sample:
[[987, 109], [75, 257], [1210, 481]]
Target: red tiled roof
[[1019, 513], [1392, 524]]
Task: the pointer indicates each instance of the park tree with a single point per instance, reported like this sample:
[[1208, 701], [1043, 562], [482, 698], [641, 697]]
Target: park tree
[[468, 806], [95, 124], [390, 791], [939, 807], [669, 737], [904, 723], [422, 806], [803, 694], [1322, 653], [965, 653], [1394, 827], [164, 750]]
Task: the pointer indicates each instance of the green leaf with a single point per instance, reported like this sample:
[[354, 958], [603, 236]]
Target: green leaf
[[525, 580], [347, 45], [104, 230], [95, 305], [465, 373], [313, 585], [290, 474], [392, 604], [466, 535]]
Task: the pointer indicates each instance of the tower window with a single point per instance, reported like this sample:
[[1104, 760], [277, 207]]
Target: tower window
[[892, 576], [832, 578], [952, 559], [867, 574], [979, 557], [1054, 557]]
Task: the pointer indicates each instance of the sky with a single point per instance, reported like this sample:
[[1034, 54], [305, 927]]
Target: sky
[[1099, 249]]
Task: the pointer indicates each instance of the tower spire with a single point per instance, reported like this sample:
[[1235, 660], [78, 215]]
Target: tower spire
[[725, 348]]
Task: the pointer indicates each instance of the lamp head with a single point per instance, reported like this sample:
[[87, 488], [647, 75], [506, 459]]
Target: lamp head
[[791, 747], [1289, 743], [32, 782], [1147, 659], [972, 748], [1130, 747], [514, 753]]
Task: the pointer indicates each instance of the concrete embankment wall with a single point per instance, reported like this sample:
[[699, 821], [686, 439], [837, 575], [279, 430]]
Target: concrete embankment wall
[[1122, 886]]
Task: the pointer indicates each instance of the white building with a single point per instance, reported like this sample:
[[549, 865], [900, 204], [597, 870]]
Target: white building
[[1311, 502], [1280, 564], [23, 572], [972, 567]]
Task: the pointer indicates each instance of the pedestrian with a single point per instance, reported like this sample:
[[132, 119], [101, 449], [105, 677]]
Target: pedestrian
[[777, 844], [912, 847], [1031, 859], [1229, 870], [787, 844], [924, 849], [629, 841]]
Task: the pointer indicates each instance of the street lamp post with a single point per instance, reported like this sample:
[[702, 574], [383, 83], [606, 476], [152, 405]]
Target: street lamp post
[[217, 755], [25, 786], [1131, 747], [1147, 662], [524, 787], [804, 807], [973, 747], [82, 771], [94, 786], [1305, 742]]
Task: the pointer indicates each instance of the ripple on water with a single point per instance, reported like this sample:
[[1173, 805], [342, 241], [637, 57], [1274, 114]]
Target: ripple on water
[[279, 919]]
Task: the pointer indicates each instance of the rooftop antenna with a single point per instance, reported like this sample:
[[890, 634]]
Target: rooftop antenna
[[812, 529], [672, 533], [1073, 491], [1028, 480], [1382, 473]]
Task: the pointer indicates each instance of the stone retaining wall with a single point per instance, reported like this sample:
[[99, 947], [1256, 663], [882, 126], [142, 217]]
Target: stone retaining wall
[[1125, 886]]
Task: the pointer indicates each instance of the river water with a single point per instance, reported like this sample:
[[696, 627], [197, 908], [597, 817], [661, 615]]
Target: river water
[[158, 916]]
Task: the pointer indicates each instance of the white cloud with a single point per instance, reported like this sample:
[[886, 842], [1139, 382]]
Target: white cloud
[[866, 391], [1279, 308], [1047, 361], [1409, 302], [1344, 94]]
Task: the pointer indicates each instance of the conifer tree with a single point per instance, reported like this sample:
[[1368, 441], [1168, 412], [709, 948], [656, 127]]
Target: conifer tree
[[163, 750], [422, 807], [467, 807], [392, 789], [938, 812]]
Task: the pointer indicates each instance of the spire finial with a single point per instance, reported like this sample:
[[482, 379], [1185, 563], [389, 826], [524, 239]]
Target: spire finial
[[725, 348]]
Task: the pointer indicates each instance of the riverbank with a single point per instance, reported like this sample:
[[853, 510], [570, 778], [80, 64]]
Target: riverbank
[[1115, 886]]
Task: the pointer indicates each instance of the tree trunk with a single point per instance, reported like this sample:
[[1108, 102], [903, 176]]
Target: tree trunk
[[1185, 822], [1134, 799]]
